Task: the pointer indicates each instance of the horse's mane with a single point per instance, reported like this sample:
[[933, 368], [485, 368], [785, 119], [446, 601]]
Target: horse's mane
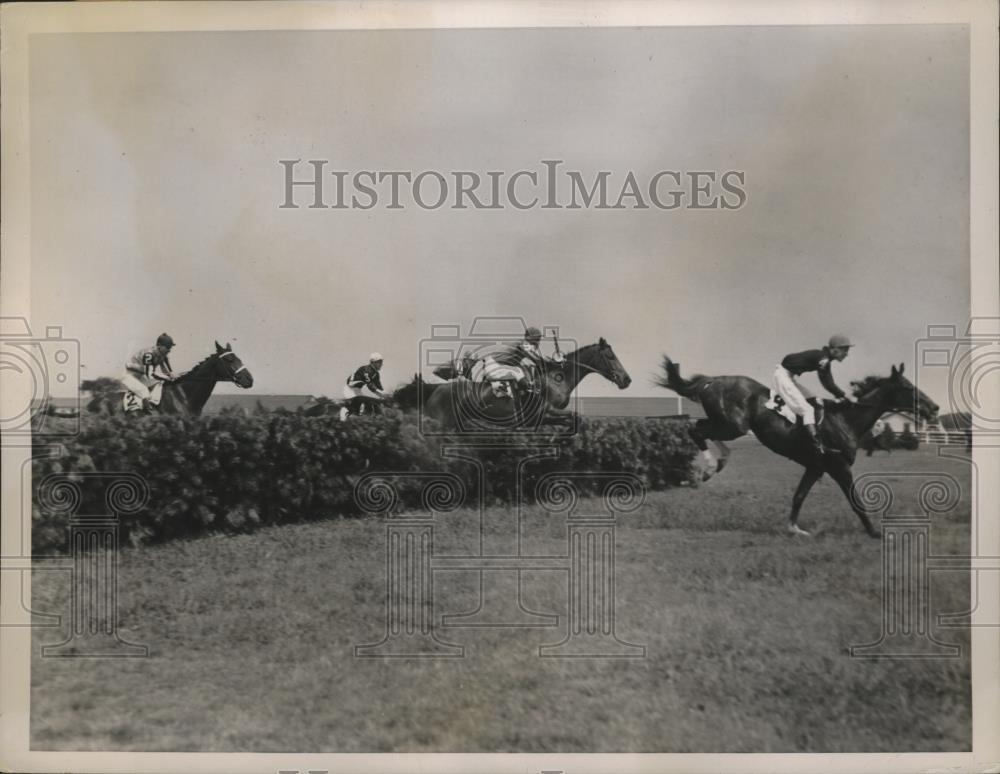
[[187, 374], [866, 385]]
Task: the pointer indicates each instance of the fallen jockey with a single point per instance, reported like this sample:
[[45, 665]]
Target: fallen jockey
[[460, 368], [798, 399], [146, 371], [511, 364]]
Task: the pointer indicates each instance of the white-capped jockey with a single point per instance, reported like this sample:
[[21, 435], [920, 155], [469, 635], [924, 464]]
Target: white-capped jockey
[[147, 370], [366, 377], [796, 397], [507, 364]]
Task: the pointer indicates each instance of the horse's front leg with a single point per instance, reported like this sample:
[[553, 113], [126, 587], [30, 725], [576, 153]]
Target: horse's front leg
[[810, 477], [840, 472]]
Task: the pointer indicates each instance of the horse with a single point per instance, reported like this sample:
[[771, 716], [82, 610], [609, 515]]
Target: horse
[[404, 398], [448, 403], [735, 405], [188, 393]]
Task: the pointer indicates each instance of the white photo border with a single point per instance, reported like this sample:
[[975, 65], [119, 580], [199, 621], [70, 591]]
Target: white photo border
[[20, 21]]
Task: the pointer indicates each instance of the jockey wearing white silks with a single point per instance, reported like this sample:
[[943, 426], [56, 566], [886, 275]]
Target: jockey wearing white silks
[[147, 370], [508, 363], [497, 372]]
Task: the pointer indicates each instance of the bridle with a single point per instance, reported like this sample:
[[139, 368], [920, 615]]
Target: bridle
[[865, 400], [233, 373], [604, 358]]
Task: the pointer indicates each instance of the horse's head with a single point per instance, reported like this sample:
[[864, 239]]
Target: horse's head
[[232, 368], [900, 394], [606, 363]]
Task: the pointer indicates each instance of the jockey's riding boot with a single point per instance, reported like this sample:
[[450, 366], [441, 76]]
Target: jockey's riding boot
[[814, 438], [147, 405]]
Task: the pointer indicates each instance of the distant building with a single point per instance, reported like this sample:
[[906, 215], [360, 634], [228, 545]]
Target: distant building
[[958, 421], [900, 422]]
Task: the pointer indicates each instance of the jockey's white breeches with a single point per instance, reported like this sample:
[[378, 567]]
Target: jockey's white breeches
[[495, 372], [146, 389], [794, 395], [356, 392]]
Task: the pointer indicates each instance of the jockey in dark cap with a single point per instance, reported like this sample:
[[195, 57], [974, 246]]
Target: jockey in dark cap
[[799, 399]]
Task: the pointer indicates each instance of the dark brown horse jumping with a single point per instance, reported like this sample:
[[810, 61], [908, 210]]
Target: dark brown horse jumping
[[189, 392], [735, 405]]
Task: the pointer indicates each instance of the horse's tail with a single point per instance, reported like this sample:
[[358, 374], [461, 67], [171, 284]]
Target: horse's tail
[[672, 380]]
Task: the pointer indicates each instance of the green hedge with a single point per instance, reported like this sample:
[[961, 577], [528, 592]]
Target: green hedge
[[232, 472]]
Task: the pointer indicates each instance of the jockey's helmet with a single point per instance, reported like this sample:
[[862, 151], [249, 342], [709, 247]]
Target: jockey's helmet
[[374, 357], [839, 340], [164, 340], [533, 335]]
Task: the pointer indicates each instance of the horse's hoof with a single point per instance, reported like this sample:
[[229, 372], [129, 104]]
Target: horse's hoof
[[795, 529]]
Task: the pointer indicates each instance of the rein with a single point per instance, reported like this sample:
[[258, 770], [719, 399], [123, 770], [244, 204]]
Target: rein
[[187, 375], [591, 368], [241, 368]]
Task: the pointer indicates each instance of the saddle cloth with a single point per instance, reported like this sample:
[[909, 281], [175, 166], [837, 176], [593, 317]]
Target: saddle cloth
[[131, 402], [776, 403]]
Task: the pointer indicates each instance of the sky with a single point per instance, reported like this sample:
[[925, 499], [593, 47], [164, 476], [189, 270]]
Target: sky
[[156, 187]]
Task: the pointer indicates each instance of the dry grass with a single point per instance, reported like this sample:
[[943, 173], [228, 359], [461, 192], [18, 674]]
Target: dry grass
[[747, 634]]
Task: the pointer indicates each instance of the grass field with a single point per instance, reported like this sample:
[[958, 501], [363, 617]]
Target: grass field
[[746, 631]]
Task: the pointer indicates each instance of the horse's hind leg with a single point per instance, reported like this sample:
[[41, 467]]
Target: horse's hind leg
[[724, 452], [698, 435], [840, 472], [716, 431], [810, 477]]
